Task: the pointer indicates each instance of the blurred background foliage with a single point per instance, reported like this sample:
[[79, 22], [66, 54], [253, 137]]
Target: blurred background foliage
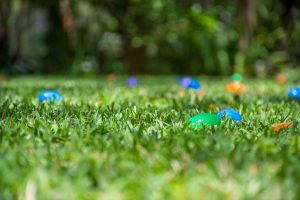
[[213, 37]]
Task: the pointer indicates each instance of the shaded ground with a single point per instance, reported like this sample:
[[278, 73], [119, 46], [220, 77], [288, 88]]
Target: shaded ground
[[107, 141]]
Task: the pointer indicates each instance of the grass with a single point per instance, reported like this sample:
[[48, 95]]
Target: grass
[[107, 141]]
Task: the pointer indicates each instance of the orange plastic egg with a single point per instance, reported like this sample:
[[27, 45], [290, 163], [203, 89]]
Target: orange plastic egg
[[2, 77], [279, 126], [111, 78], [281, 79], [236, 87]]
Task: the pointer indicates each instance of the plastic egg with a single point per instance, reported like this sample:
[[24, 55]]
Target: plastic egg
[[111, 78], [49, 95], [237, 77], [279, 126], [200, 120], [281, 79], [132, 81], [184, 81], [230, 113], [236, 87], [194, 84], [294, 93]]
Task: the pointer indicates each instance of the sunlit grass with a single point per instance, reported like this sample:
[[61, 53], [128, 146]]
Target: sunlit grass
[[108, 141]]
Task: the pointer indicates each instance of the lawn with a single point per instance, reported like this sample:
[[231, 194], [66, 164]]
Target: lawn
[[107, 141]]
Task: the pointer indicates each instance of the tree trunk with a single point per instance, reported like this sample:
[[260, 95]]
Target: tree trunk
[[136, 59], [4, 46], [247, 18], [60, 55]]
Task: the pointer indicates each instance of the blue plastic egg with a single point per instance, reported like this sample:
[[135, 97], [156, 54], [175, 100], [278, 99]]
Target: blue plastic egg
[[230, 113], [132, 81], [194, 84], [184, 81], [49, 95], [294, 93]]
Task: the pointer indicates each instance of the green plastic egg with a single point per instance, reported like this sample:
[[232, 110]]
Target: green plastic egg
[[200, 120], [237, 77]]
